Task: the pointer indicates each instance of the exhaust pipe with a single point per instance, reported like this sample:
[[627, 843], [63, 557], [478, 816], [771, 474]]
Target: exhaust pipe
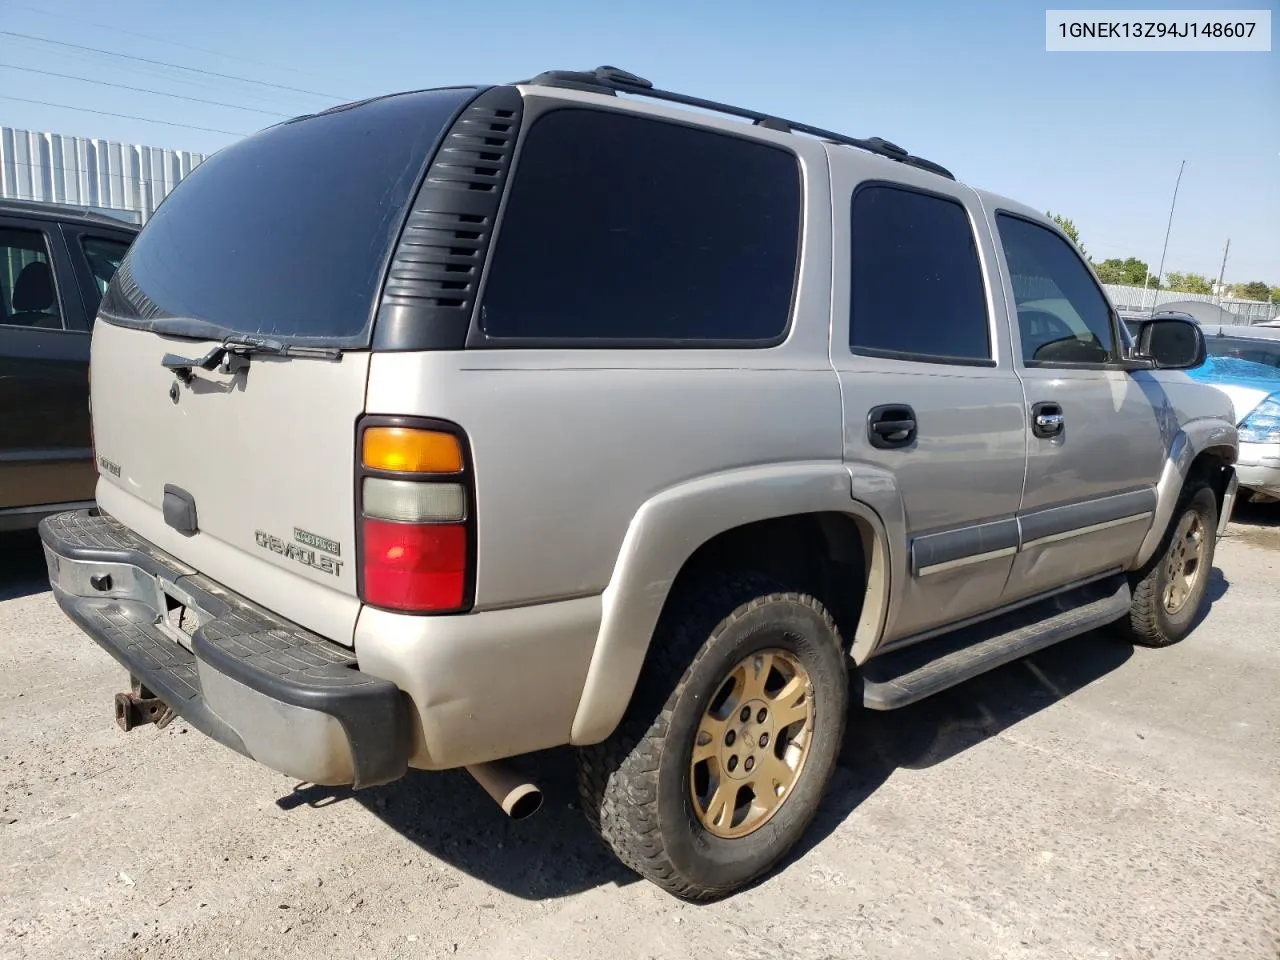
[[517, 797]]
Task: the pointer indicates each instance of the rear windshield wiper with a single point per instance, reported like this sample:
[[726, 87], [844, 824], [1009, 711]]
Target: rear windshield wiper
[[233, 353]]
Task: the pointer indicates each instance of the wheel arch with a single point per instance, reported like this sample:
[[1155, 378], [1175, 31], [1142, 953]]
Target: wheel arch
[[736, 516], [1203, 448]]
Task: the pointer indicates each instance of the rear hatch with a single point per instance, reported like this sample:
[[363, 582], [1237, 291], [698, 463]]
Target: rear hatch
[[229, 363]]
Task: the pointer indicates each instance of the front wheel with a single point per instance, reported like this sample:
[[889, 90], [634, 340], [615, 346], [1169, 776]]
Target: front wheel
[[735, 724], [1168, 594]]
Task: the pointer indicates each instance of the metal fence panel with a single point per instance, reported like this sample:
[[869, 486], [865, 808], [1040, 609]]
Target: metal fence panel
[[1136, 298], [123, 179]]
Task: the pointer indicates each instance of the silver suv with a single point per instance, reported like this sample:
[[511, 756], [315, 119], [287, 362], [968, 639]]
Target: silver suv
[[454, 425]]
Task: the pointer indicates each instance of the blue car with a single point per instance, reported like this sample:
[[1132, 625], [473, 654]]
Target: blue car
[[1244, 363]]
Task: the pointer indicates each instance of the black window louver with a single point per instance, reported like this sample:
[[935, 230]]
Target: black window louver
[[434, 276]]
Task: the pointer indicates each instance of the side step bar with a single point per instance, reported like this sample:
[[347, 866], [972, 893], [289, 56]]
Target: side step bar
[[902, 677]]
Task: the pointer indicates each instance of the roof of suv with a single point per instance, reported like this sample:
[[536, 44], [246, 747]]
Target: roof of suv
[[612, 81], [65, 213]]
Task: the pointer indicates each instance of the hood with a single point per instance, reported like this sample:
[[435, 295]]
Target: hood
[[1246, 383]]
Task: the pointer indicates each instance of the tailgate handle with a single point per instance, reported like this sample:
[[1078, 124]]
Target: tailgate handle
[[179, 509]]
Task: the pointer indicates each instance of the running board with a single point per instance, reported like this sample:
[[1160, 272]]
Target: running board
[[902, 677]]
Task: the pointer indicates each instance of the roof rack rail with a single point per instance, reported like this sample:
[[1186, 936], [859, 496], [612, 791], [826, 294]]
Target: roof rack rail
[[612, 81]]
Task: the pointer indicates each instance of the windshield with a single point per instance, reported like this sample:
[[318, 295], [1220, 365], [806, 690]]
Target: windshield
[[286, 233], [1265, 352]]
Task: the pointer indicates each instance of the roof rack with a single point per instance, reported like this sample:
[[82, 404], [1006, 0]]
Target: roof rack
[[612, 81]]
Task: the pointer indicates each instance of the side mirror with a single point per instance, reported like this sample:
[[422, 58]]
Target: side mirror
[[1170, 343]]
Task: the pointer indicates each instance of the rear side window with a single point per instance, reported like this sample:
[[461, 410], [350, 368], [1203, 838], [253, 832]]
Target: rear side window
[[1063, 316], [28, 293], [287, 233], [103, 256], [621, 228], [916, 287]]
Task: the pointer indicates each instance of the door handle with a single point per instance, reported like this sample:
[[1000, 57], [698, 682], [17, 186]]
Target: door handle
[[891, 425], [1047, 420]]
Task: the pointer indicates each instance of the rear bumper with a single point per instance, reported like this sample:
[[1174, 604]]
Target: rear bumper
[[243, 676], [1258, 467]]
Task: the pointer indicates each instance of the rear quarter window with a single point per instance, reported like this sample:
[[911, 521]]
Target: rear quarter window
[[626, 230]]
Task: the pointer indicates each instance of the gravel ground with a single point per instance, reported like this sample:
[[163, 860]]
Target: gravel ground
[[1093, 801]]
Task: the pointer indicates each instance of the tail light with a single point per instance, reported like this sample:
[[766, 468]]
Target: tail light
[[415, 499], [93, 446]]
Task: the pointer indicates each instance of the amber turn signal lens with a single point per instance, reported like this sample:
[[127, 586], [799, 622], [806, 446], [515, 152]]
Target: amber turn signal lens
[[405, 450]]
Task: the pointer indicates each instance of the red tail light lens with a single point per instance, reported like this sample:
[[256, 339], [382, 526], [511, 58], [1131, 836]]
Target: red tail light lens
[[415, 566], [415, 497]]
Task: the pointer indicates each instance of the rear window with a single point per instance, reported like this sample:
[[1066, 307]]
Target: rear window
[[1243, 348], [286, 233], [622, 229]]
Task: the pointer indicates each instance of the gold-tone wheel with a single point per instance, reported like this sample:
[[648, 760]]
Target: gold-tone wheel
[[1185, 562], [751, 743]]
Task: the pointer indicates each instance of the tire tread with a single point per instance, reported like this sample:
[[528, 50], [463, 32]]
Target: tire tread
[[617, 778]]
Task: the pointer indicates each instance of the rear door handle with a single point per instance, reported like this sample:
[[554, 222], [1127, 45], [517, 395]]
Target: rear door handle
[[891, 426], [1047, 420]]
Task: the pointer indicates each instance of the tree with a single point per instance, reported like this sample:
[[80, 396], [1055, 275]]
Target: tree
[[1069, 228], [1130, 271], [1253, 290], [1188, 283]]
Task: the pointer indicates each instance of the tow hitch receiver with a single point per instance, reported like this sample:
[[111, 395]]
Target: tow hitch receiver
[[140, 707]]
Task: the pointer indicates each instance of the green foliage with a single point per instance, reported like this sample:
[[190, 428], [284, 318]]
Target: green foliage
[[1253, 290], [1188, 283], [1131, 271]]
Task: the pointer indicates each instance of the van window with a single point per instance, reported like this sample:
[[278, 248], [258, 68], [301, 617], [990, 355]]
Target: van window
[[916, 290], [103, 256], [625, 229]]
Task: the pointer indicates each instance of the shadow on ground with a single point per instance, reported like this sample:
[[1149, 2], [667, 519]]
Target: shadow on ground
[[22, 570], [554, 854]]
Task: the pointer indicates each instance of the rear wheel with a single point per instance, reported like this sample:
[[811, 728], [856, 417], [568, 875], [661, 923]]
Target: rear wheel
[[735, 724], [1168, 594]]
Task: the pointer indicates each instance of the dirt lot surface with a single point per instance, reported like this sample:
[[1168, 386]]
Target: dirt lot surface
[[1094, 801]]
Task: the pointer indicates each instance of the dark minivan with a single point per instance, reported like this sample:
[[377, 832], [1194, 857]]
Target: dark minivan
[[55, 263]]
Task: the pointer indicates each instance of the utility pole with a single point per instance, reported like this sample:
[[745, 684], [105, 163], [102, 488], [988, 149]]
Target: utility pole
[[1222, 272], [1169, 228]]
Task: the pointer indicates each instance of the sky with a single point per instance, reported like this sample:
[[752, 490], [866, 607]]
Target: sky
[[1096, 137]]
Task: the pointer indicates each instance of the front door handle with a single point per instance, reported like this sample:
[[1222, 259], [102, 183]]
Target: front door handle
[[1047, 420], [891, 425]]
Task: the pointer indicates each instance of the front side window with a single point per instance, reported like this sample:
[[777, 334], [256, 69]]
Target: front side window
[[1063, 317], [916, 287], [624, 229], [28, 294]]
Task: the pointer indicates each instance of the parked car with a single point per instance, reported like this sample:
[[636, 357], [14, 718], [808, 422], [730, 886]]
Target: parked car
[[596, 420], [1244, 363], [55, 263]]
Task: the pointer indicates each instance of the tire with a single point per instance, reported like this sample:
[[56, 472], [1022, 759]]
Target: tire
[[639, 786], [1153, 621]]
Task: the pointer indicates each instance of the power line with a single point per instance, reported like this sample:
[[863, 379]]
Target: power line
[[150, 36], [95, 175], [158, 93], [123, 116], [164, 63]]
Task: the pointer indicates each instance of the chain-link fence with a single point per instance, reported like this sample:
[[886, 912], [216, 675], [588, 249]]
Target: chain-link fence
[[1138, 299]]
